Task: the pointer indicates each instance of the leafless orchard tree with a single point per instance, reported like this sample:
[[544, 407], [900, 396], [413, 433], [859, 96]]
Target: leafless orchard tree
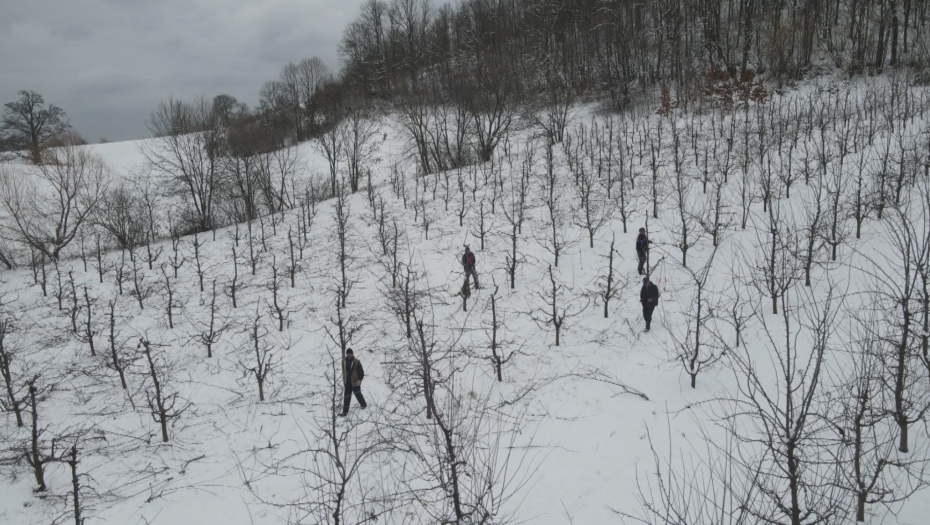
[[260, 353], [613, 285], [485, 225], [331, 466], [280, 305], [553, 307], [775, 269], [116, 358], [594, 209], [141, 289], [469, 455], [342, 235], [625, 198], [812, 241], [786, 448], [41, 446], [710, 489], [896, 286], [10, 371], [687, 230], [836, 225], [89, 328], [48, 208], [696, 349], [210, 332], [413, 366], [161, 397], [874, 472], [555, 238], [494, 328]]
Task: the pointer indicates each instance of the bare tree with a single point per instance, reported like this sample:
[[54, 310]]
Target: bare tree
[[554, 308], [331, 143], [342, 236], [687, 231], [360, 130], [311, 73], [31, 126], [873, 473], [186, 149], [47, 213], [37, 450], [896, 290], [555, 239], [279, 306], [210, 332], [792, 475], [12, 402], [162, 399], [556, 110], [695, 348], [777, 270], [594, 209], [122, 216], [612, 285], [116, 360], [89, 329], [330, 465], [140, 289], [259, 355]]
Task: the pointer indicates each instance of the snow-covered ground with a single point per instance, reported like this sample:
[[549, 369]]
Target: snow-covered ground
[[578, 420]]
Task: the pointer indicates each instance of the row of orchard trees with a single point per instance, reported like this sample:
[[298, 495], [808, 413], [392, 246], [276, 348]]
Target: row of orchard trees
[[828, 408], [803, 219]]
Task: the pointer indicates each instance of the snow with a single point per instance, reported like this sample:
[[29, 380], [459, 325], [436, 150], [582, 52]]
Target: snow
[[582, 446]]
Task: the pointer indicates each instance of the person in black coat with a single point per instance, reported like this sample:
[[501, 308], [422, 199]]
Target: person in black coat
[[642, 251], [649, 296], [353, 373]]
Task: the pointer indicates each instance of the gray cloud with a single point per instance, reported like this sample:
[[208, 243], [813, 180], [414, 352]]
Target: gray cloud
[[109, 62]]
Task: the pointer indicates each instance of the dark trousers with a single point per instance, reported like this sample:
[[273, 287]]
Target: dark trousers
[[357, 390], [470, 270], [642, 263], [647, 315]]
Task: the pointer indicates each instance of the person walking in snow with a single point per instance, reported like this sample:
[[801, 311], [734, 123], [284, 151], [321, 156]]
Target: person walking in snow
[[649, 296], [642, 251], [352, 374], [468, 262]]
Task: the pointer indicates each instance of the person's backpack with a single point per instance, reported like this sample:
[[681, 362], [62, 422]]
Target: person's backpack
[[470, 258]]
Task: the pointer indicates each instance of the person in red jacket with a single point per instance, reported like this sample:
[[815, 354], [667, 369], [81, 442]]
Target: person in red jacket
[[468, 263], [649, 296]]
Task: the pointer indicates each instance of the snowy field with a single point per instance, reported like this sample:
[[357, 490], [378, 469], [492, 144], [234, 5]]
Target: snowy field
[[574, 433]]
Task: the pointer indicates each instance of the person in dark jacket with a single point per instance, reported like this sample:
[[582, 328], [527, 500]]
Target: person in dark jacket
[[352, 373], [642, 250], [649, 296], [468, 262]]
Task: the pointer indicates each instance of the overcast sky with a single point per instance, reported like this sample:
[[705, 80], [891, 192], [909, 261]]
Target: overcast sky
[[107, 63]]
